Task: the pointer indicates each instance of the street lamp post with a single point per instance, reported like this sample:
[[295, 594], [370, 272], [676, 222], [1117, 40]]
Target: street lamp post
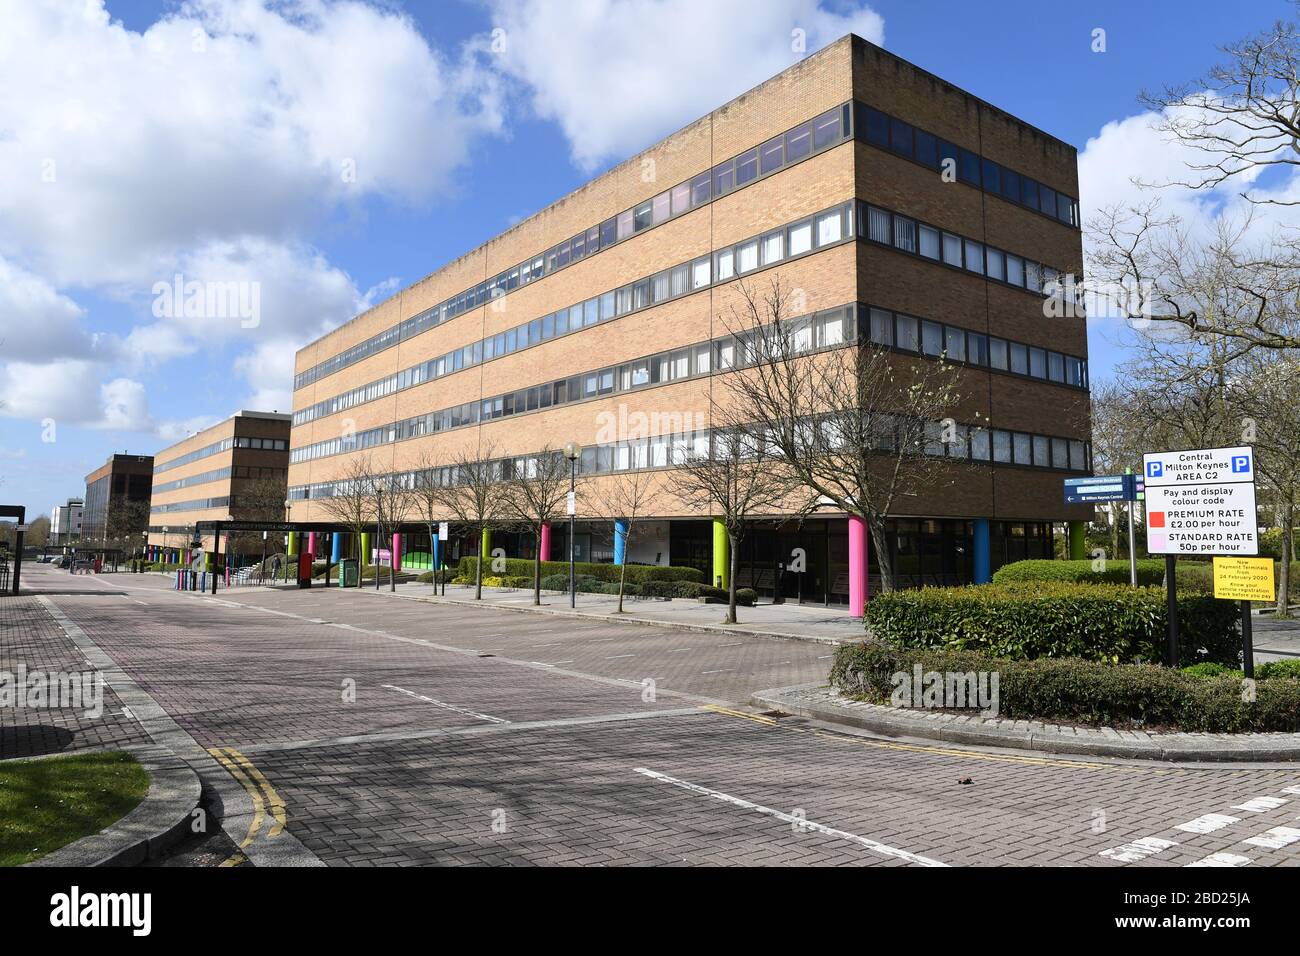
[[572, 451], [379, 533], [287, 506]]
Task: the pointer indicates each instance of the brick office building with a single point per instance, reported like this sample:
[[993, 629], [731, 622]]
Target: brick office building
[[237, 468], [115, 511], [829, 175]]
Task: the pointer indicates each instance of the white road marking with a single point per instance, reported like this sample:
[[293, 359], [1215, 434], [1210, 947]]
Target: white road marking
[[1139, 849], [555, 663], [614, 657], [790, 818], [1276, 838], [1222, 859], [446, 706], [720, 670], [737, 644], [1295, 789], [1208, 823], [1260, 804]]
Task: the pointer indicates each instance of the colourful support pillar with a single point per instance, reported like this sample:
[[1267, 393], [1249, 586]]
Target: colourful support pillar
[[982, 559], [621, 528], [435, 554], [487, 550], [311, 543], [1078, 542], [365, 547], [293, 544], [545, 546], [397, 552], [336, 547], [857, 566], [721, 558]]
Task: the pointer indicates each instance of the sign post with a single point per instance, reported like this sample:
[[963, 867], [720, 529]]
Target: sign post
[[1245, 580], [1199, 502], [1111, 488]]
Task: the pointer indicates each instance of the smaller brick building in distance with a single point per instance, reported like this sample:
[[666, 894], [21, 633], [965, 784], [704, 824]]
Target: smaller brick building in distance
[[116, 508], [237, 468]]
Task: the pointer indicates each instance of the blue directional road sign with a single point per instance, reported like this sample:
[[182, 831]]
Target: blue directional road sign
[[1101, 488]]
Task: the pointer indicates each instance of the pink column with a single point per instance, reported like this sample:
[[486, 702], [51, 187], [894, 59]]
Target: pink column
[[857, 566], [311, 544], [397, 552], [545, 545]]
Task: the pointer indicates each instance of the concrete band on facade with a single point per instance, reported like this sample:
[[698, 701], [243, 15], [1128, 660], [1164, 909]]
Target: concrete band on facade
[[984, 515]]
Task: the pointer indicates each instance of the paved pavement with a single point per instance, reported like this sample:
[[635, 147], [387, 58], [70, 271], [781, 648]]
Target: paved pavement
[[373, 730]]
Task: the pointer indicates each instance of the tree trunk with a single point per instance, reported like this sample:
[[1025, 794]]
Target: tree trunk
[[884, 559], [478, 571], [734, 561], [622, 575], [1284, 566], [537, 569]]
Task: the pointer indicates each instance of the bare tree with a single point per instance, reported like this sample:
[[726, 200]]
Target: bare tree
[[733, 475], [1243, 116], [426, 498], [352, 503], [535, 495], [1156, 270], [395, 498], [475, 496], [853, 423], [627, 497]]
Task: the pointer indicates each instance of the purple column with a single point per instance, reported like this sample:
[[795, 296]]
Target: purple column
[[397, 552], [545, 545], [857, 566]]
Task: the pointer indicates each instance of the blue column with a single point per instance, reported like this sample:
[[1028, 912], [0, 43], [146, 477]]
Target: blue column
[[983, 565], [435, 553], [620, 540], [336, 547]]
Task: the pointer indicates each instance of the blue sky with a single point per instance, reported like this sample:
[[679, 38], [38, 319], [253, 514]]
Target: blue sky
[[149, 148]]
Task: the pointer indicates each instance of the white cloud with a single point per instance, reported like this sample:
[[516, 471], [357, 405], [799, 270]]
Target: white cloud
[[221, 120], [37, 323], [66, 392], [617, 74]]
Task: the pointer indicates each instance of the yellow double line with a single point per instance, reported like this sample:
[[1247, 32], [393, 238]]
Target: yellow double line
[[262, 793]]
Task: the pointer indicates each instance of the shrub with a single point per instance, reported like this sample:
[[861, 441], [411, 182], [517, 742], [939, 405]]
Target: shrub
[[1052, 619], [1211, 669], [658, 589], [636, 573], [1150, 572], [1268, 669], [745, 597], [1089, 692]]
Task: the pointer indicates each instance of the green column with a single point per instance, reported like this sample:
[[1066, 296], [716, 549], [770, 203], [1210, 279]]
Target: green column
[[487, 551], [365, 548], [721, 556], [1078, 543], [293, 545]]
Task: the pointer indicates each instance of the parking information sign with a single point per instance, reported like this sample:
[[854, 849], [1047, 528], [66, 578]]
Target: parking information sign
[[1201, 501]]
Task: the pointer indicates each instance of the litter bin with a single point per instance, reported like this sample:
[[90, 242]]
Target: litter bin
[[348, 573]]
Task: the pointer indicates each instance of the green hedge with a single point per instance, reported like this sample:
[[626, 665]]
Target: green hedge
[[1151, 571], [1113, 695], [1100, 622], [1193, 576], [636, 573]]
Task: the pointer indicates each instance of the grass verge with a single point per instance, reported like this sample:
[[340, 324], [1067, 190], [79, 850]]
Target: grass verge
[[50, 802]]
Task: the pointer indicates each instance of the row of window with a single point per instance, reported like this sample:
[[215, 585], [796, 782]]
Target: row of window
[[192, 480], [798, 144], [916, 144], [969, 442], [198, 504], [216, 448], [826, 329], [910, 334], [818, 231], [823, 330], [920, 239]]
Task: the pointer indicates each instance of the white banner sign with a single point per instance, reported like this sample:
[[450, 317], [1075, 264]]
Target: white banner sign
[[1201, 501]]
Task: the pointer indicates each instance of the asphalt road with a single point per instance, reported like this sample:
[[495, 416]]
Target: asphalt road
[[365, 729]]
